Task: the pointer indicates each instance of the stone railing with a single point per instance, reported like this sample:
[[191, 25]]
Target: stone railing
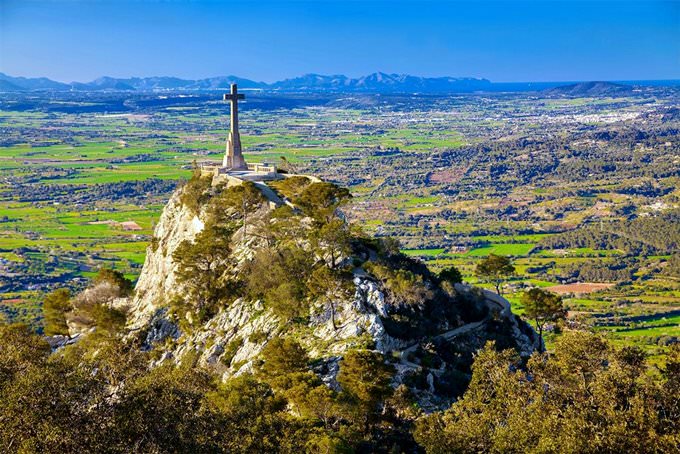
[[262, 168], [217, 169]]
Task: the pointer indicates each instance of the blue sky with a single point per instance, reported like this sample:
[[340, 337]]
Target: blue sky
[[270, 40]]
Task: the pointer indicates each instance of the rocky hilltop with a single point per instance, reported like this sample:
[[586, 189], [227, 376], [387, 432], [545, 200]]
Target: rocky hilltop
[[298, 271]]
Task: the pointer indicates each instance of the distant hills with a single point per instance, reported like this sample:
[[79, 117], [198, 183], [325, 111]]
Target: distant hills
[[591, 89], [382, 82], [373, 83], [9, 83], [377, 82]]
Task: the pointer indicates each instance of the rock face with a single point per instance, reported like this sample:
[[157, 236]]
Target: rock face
[[157, 280], [230, 341]]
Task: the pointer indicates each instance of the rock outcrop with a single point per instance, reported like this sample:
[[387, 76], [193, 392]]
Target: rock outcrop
[[158, 277], [229, 342]]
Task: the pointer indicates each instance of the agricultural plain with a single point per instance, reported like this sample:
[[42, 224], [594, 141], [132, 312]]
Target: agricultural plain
[[580, 192]]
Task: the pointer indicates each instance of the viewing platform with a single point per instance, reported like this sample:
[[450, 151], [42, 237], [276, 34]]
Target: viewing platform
[[254, 172]]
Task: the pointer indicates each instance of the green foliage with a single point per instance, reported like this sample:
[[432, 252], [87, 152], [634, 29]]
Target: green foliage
[[195, 191], [56, 304], [366, 377], [154, 243], [330, 285], [248, 417], [285, 228], [278, 277], [321, 200], [203, 268], [542, 306], [615, 271], [162, 411], [587, 397], [333, 240], [495, 269], [20, 349], [284, 360], [92, 307], [640, 236], [243, 199], [404, 286], [388, 246], [258, 337], [283, 356], [230, 351], [292, 187], [116, 279], [107, 319], [673, 266], [451, 275]]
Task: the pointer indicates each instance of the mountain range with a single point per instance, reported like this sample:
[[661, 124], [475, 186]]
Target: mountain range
[[378, 82]]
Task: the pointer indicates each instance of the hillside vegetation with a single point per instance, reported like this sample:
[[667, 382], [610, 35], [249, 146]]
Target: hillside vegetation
[[256, 328]]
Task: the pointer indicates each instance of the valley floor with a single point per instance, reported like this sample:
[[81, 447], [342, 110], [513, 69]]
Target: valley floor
[[576, 190]]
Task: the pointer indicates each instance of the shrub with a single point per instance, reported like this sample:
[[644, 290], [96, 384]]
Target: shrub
[[278, 278], [55, 306], [230, 351], [292, 187], [116, 279], [404, 286], [257, 337], [194, 193], [451, 275]]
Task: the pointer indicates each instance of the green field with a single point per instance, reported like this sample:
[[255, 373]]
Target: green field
[[412, 165]]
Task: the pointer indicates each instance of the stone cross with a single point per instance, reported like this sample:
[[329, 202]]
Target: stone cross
[[233, 157]]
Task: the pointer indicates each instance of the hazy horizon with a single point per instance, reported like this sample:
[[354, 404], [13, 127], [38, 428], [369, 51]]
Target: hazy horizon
[[502, 41]]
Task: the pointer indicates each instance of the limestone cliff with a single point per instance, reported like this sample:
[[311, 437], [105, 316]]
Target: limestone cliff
[[157, 279], [430, 347]]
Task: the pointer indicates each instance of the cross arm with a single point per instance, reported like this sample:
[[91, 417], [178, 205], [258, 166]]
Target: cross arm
[[228, 97]]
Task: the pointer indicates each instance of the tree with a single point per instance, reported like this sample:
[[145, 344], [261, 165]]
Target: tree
[[56, 304], [333, 240], [388, 246], [163, 411], [404, 286], [285, 369], [248, 417], [42, 401], [321, 200], [542, 306], [286, 228], [116, 279], [451, 275], [291, 187], [495, 269], [366, 379], [195, 191], [586, 397], [20, 349], [108, 320], [282, 356], [202, 265], [278, 277], [330, 285], [244, 198]]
